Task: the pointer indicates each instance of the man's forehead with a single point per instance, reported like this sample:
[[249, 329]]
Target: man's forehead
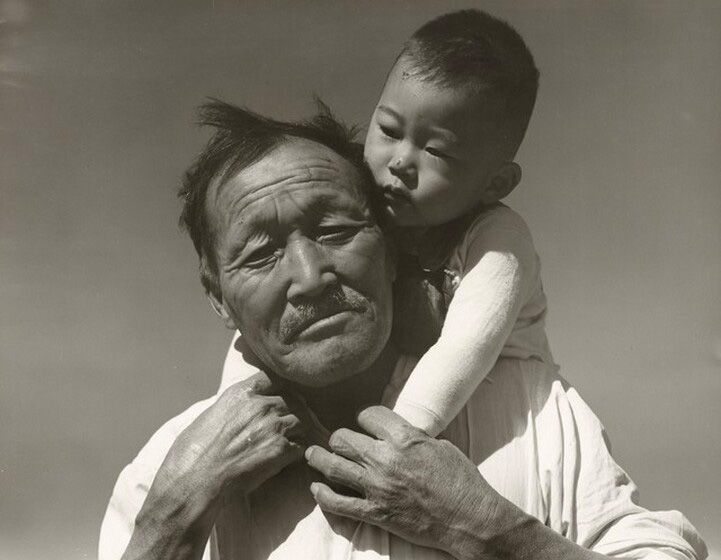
[[294, 165], [298, 167]]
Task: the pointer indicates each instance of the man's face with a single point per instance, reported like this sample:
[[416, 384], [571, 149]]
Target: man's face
[[303, 269]]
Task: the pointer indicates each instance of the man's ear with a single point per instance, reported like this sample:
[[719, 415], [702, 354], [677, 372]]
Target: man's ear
[[220, 310], [503, 182], [214, 295]]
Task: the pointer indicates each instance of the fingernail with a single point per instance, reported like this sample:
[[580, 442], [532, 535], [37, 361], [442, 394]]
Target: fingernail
[[313, 489], [308, 453]]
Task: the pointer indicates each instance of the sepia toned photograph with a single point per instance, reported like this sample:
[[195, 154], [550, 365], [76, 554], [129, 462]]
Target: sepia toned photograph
[[355, 280]]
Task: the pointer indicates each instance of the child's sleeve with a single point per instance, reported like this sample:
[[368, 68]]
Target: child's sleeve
[[235, 367], [500, 271]]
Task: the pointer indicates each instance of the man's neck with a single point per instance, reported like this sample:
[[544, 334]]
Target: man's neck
[[336, 406]]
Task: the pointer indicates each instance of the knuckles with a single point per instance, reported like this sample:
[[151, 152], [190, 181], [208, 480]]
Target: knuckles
[[254, 386], [258, 384], [257, 407], [407, 438], [367, 414], [268, 427], [380, 514], [282, 446], [276, 447], [333, 472]]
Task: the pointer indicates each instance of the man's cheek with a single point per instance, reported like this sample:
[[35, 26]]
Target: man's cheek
[[251, 307]]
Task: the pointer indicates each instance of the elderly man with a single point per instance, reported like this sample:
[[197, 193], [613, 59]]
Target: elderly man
[[292, 254]]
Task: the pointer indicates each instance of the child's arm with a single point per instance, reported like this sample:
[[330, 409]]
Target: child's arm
[[235, 367], [500, 270]]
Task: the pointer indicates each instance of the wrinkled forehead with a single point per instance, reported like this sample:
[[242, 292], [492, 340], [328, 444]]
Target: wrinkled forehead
[[298, 169]]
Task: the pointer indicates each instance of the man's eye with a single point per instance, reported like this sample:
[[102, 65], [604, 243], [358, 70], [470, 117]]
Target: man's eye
[[389, 132], [260, 258], [337, 234]]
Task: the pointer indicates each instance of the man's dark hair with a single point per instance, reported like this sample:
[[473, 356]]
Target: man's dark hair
[[474, 50], [242, 138]]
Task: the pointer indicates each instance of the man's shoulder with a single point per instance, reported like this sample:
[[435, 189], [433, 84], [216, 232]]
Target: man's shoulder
[[135, 480], [154, 451]]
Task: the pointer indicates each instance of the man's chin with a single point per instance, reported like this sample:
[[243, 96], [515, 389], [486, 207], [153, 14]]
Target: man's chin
[[329, 361]]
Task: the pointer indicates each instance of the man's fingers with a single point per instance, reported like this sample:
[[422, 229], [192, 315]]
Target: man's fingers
[[295, 429], [294, 426], [336, 468], [345, 506], [269, 462], [352, 445], [262, 384], [382, 422], [257, 384]]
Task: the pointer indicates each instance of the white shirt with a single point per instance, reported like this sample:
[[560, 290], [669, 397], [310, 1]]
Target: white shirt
[[533, 438]]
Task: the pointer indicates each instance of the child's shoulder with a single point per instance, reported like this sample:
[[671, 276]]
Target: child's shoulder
[[492, 229], [442, 244], [496, 219]]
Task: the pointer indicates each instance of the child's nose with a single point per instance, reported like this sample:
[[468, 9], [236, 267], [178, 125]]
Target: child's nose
[[402, 162], [397, 164]]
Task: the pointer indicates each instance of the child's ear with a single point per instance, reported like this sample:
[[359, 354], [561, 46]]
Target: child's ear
[[503, 182]]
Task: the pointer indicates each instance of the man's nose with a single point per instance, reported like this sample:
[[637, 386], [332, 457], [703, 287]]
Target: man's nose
[[310, 269]]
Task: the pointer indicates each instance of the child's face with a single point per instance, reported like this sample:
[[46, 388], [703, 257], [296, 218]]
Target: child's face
[[431, 149]]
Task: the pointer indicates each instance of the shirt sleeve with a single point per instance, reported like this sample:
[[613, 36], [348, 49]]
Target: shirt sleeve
[[590, 499], [134, 482], [500, 269]]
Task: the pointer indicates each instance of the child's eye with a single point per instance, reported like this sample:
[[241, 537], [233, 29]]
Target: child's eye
[[435, 152], [389, 132]]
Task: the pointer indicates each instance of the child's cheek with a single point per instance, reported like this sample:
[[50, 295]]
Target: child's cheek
[[376, 165]]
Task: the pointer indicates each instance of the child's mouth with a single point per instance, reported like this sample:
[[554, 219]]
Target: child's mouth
[[396, 195]]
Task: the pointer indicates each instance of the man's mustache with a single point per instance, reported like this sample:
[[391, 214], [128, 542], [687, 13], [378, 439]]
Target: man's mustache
[[333, 301]]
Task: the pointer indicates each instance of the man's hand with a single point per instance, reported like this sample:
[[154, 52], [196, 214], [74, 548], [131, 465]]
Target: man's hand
[[246, 437], [419, 488]]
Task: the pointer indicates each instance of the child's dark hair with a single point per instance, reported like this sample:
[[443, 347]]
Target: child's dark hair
[[472, 49]]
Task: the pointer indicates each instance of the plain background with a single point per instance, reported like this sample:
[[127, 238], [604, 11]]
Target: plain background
[[105, 332]]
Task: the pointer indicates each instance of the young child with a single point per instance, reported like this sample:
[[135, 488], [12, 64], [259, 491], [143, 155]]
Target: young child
[[441, 144]]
